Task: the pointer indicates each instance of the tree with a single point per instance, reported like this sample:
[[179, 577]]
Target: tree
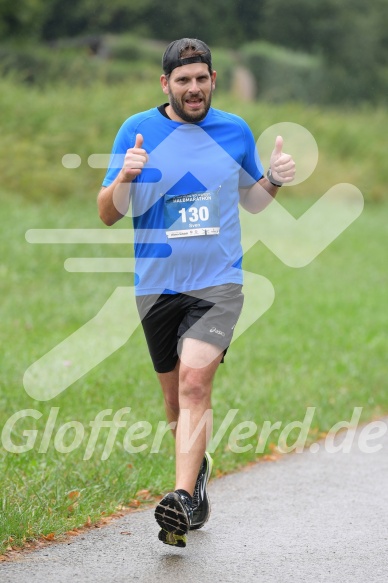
[[350, 35], [226, 22], [21, 19]]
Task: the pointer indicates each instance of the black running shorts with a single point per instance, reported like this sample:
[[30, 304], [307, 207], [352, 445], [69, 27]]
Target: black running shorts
[[209, 314]]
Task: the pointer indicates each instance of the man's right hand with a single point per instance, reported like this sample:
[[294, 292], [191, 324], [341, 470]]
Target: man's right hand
[[135, 160]]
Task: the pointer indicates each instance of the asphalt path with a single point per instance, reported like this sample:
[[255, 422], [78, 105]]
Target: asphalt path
[[316, 516]]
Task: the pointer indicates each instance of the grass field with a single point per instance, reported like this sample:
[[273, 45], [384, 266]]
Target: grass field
[[322, 344], [65, 119]]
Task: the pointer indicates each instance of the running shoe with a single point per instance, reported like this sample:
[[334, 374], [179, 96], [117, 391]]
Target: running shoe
[[174, 514], [169, 538], [201, 502]]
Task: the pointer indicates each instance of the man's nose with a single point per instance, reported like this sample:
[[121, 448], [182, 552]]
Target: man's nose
[[193, 86]]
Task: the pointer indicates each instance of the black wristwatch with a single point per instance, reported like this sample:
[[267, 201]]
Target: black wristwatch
[[272, 179]]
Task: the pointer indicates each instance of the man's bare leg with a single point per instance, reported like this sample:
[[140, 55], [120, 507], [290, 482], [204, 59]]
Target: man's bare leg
[[195, 385], [190, 382], [188, 387], [169, 381]]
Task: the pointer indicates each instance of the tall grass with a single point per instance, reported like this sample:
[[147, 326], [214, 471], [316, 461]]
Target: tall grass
[[40, 127]]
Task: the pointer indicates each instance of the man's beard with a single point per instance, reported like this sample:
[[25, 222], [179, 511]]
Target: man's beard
[[190, 117]]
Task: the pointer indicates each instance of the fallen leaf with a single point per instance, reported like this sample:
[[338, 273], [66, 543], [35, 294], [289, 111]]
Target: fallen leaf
[[143, 495], [270, 458], [134, 504], [125, 532], [72, 533], [50, 536], [74, 494], [88, 523]]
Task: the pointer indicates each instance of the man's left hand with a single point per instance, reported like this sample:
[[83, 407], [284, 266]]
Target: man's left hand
[[282, 165]]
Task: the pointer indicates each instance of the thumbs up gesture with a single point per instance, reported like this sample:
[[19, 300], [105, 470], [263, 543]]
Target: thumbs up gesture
[[135, 160], [282, 166]]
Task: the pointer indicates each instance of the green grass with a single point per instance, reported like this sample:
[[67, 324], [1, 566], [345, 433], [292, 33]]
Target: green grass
[[40, 127], [322, 344]]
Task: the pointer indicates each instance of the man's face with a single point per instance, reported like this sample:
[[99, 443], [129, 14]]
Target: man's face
[[190, 91]]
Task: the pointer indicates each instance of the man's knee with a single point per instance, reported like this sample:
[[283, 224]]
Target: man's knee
[[193, 386]]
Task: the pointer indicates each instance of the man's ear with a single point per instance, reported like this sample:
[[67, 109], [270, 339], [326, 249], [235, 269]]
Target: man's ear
[[164, 84], [214, 75]]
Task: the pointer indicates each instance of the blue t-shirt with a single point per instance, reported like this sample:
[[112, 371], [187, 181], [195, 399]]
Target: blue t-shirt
[[184, 204]]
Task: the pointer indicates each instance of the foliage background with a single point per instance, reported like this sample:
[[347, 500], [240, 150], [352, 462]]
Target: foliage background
[[335, 50]]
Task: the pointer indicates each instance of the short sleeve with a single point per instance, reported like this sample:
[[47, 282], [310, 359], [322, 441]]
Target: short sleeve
[[124, 140], [251, 168]]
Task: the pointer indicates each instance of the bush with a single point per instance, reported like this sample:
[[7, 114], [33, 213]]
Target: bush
[[283, 75], [131, 48], [42, 66], [224, 62]]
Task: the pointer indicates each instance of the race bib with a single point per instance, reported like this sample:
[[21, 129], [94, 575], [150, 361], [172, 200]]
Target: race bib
[[192, 215]]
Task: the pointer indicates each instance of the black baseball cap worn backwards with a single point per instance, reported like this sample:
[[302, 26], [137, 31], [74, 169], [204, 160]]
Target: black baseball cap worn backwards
[[172, 55]]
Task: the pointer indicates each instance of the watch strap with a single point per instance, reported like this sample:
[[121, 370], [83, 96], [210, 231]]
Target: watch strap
[[272, 179]]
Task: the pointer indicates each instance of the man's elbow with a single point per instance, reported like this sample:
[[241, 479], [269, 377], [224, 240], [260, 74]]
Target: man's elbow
[[249, 206], [103, 209], [107, 218]]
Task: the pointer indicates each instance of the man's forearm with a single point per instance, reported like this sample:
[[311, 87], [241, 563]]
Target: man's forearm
[[113, 201], [259, 196]]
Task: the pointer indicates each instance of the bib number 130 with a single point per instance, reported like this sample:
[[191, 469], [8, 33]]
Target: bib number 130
[[194, 214]]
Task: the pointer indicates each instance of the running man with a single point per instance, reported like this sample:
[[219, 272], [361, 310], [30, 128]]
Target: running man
[[185, 167]]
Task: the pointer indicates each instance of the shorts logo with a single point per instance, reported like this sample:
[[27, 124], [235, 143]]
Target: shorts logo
[[214, 329]]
